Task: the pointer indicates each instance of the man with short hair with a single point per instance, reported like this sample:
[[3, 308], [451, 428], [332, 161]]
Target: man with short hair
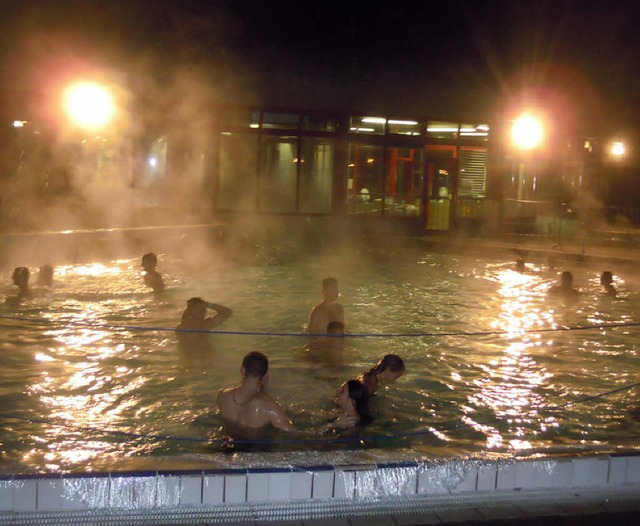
[[248, 404]]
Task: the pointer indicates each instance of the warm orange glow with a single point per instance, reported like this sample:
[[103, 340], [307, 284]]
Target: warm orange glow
[[617, 149], [89, 105]]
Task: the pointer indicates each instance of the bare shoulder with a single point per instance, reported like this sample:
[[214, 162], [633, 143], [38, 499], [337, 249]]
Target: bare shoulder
[[265, 401]]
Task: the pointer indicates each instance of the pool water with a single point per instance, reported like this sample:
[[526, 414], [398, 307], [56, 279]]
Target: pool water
[[94, 378]]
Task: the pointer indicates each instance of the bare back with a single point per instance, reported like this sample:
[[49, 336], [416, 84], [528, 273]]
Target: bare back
[[257, 411], [322, 314]]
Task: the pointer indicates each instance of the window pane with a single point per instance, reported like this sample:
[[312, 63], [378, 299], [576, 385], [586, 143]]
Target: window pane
[[316, 171], [403, 127], [271, 120], [279, 161], [371, 125], [405, 182], [319, 123], [239, 118], [365, 175], [238, 170], [478, 132], [442, 130], [473, 172]]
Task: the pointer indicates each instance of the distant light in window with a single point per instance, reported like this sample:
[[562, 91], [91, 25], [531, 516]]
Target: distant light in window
[[403, 123], [374, 120]]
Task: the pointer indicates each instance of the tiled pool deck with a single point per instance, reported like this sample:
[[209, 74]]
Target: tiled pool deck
[[394, 494]]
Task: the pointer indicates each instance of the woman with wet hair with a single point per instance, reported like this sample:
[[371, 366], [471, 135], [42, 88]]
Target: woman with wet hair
[[386, 371], [353, 400]]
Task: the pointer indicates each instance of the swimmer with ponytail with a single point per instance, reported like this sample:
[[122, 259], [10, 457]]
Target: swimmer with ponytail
[[386, 371]]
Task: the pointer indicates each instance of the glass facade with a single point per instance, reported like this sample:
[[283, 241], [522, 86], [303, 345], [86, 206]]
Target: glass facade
[[316, 175], [367, 125], [442, 130], [404, 184], [277, 180], [237, 172], [366, 170], [306, 163]]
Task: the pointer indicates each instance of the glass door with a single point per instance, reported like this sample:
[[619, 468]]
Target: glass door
[[440, 190]]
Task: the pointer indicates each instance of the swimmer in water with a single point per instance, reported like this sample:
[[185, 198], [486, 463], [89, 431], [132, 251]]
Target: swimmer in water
[[386, 371], [248, 404], [353, 400], [329, 349], [45, 276], [606, 280], [152, 278], [20, 278], [327, 310], [565, 290], [195, 317]]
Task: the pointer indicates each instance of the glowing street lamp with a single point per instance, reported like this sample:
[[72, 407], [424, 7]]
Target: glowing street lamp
[[89, 105], [617, 149], [527, 132]]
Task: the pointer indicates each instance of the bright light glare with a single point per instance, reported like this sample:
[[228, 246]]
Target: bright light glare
[[89, 105], [617, 149], [527, 132]]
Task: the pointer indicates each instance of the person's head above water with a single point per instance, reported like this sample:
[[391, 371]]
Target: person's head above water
[[386, 371], [566, 279], [520, 265], [45, 276], [330, 289], [389, 369], [196, 309], [606, 278], [255, 364], [20, 276], [149, 261], [354, 396]]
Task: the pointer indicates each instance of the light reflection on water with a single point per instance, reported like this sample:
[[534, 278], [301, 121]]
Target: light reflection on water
[[91, 387]]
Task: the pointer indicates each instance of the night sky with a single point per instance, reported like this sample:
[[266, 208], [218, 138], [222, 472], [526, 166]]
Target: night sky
[[449, 59]]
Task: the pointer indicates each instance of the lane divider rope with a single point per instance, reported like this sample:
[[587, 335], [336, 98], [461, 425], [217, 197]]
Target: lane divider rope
[[105, 326]]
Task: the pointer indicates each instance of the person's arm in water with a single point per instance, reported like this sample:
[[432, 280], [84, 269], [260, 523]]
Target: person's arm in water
[[277, 416], [344, 421], [222, 314]]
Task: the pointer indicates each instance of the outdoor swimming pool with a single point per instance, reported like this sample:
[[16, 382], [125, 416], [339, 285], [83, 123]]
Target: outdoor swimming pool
[[93, 378]]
